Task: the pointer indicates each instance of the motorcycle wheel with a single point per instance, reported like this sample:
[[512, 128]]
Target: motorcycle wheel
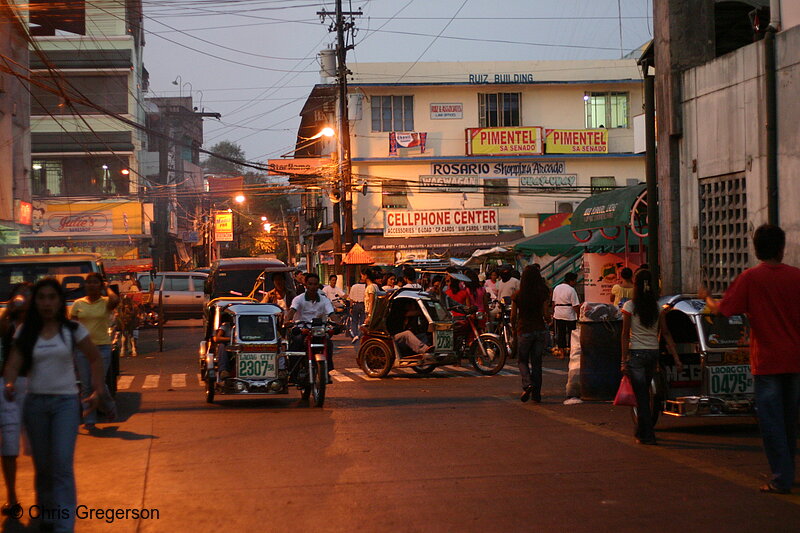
[[210, 390], [495, 353], [424, 369], [320, 382], [375, 359]]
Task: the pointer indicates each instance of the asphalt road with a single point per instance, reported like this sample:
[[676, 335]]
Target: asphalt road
[[447, 452]]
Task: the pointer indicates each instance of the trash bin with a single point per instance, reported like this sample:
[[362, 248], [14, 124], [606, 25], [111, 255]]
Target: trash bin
[[600, 332]]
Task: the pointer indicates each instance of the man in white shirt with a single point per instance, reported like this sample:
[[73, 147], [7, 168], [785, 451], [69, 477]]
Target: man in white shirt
[[566, 307], [357, 313], [507, 285], [305, 308], [333, 292], [410, 278]]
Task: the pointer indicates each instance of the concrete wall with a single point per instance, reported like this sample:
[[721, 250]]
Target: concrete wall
[[724, 133]]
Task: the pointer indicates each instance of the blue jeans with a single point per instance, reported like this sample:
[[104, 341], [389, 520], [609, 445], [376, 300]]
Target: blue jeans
[[641, 368], [357, 316], [777, 396], [85, 375], [51, 421], [530, 347]]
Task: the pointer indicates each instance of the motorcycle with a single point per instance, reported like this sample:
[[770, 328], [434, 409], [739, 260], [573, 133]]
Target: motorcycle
[[484, 350], [502, 327], [308, 370]]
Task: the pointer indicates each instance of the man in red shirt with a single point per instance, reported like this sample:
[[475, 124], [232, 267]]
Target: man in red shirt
[[770, 296]]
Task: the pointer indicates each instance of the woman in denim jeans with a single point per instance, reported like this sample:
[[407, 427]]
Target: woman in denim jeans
[[44, 349], [641, 323], [528, 307]]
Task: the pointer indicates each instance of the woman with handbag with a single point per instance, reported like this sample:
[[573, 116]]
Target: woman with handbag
[[44, 350], [641, 325], [528, 308]]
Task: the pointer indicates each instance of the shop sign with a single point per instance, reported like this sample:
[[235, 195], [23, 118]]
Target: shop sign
[[440, 222], [504, 141], [510, 77], [601, 273], [190, 237], [447, 111], [223, 226], [547, 181], [24, 213], [498, 170], [9, 236], [408, 139], [87, 223], [410, 255], [300, 167], [577, 141], [86, 219], [451, 183], [548, 221]]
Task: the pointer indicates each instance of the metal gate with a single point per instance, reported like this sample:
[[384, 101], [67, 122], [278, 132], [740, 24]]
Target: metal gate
[[723, 230]]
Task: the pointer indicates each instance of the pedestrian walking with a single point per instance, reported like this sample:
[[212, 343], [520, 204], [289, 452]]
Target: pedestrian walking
[[769, 294], [371, 292], [356, 297], [93, 311], [44, 350], [11, 412], [641, 325], [623, 291], [528, 309], [566, 307], [127, 324]]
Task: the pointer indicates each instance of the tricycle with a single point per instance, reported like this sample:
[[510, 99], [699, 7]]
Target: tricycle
[[449, 340]]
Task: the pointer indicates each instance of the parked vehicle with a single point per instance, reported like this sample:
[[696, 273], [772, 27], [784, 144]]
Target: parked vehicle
[[182, 294], [259, 360], [237, 276], [451, 341], [502, 327], [714, 350], [70, 269]]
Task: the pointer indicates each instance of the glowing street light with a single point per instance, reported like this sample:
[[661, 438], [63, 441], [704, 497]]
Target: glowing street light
[[239, 198], [263, 219]]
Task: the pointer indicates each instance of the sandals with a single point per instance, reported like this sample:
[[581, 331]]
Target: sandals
[[774, 489]]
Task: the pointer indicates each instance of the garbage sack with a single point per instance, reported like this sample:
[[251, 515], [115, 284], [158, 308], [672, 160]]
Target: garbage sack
[[597, 312], [574, 374]]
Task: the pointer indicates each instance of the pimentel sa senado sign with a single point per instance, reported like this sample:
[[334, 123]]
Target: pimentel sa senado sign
[[504, 141], [400, 223]]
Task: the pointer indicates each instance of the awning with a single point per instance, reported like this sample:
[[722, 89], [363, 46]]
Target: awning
[[607, 210], [357, 256], [560, 240], [442, 245]]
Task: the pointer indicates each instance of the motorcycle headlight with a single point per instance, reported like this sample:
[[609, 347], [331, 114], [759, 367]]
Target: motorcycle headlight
[[318, 331]]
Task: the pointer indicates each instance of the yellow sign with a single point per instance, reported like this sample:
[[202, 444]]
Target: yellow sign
[[223, 226], [577, 141], [52, 218], [504, 141]]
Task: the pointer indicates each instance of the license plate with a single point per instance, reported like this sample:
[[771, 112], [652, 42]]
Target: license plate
[[730, 379], [444, 341], [256, 365]]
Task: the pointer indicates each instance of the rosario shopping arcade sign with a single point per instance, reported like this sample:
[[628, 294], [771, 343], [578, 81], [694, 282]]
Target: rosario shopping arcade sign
[[466, 177], [422, 223]]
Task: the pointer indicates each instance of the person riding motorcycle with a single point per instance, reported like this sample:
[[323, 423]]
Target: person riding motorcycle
[[305, 308]]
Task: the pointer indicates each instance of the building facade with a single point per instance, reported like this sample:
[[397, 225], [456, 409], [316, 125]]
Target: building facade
[[445, 152], [86, 62]]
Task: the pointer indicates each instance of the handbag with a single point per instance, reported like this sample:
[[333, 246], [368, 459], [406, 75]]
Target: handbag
[[625, 395]]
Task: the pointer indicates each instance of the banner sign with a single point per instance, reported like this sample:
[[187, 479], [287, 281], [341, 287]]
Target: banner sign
[[601, 273], [86, 219], [548, 221], [447, 111], [547, 181], [440, 222], [498, 170], [577, 141], [300, 167], [451, 183], [223, 226], [504, 141], [9, 236], [409, 139]]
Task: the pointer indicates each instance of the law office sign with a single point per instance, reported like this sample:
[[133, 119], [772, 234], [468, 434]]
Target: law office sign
[[447, 111], [504, 141], [577, 141]]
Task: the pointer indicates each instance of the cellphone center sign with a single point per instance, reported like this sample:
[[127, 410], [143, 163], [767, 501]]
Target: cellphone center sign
[[440, 222]]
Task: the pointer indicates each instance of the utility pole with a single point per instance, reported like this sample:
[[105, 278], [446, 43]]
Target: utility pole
[[344, 26]]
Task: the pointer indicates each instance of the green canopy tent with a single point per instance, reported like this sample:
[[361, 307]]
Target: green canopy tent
[[560, 241], [612, 213]]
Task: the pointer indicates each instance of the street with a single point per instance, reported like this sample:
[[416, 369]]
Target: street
[[447, 452]]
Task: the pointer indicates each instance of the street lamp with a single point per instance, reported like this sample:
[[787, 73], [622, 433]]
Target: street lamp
[[239, 198], [178, 81]]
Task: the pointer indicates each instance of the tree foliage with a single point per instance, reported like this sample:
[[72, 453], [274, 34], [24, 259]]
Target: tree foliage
[[215, 165]]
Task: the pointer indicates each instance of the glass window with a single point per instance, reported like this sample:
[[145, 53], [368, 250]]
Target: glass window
[[198, 283], [47, 177], [177, 283], [602, 184], [394, 193], [256, 328], [70, 274], [607, 110], [108, 91], [499, 109], [392, 113], [495, 193]]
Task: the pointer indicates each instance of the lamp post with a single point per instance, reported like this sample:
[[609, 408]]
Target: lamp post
[[179, 82]]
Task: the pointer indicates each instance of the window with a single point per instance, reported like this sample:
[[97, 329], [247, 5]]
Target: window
[[394, 193], [495, 193], [723, 230], [198, 283], [47, 177], [602, 184], [392, 113], [75, 176], [607, 110], [109, 92], [177, 283], [499, 109]]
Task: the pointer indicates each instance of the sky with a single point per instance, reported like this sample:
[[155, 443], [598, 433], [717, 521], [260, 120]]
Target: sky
[[255, 61]]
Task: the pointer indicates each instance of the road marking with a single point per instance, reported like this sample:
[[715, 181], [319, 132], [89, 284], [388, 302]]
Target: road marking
[[405, 371], [359, 373], [150, 381], [338, 376], [124, 382], [508, 372], [726, 474], [555, 371], [178, 381], [458, 372]]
